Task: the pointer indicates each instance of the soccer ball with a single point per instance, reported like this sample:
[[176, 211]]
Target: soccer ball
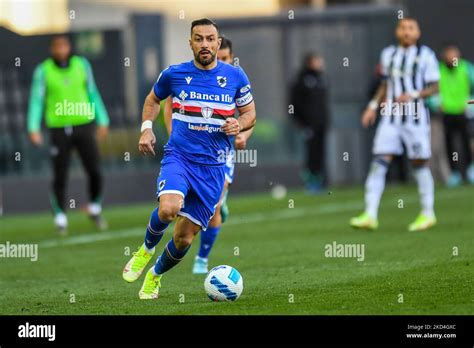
[[223, 283]]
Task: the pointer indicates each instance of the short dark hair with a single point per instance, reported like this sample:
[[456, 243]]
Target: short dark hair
[[226, 43], [204, 21], [59, 36]]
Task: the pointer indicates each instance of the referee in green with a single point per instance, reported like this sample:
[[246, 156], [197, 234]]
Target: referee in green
[[64, 90]]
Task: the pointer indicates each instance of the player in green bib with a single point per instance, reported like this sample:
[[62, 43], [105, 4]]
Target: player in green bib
[[63, 89]]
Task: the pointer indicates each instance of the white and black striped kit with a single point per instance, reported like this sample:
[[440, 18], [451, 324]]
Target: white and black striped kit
[[407, 70]]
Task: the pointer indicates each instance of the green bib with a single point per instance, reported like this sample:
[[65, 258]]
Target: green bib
[[454, 88], [67, 102]]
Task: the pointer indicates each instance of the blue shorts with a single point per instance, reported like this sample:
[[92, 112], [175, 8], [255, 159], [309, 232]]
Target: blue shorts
[[229, 169], [201, 187]]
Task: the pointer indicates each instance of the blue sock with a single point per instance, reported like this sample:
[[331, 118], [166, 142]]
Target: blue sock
[[170, 258], [208, 237], [154, 230]]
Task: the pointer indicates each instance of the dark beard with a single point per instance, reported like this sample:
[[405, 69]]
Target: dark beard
[[205, 62]]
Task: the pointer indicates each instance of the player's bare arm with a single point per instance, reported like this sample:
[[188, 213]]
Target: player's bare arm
[[151, 109], [370, 113], [245, 121], [168, 114]]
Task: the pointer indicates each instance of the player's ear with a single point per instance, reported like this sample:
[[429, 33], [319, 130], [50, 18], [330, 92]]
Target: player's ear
[[190, 44], [219, 43]]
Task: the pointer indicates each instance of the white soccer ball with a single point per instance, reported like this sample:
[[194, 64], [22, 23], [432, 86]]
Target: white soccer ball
[[279, 192], [223, 283]]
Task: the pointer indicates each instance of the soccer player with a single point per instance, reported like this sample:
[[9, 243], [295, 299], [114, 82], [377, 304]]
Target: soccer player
[[64, 90], [410, 74], [206, 93], [208, 237]]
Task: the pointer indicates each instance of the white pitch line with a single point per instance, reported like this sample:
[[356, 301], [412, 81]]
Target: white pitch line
[[235, 220]]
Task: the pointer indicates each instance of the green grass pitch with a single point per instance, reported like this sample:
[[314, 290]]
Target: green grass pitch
[[280, 256]]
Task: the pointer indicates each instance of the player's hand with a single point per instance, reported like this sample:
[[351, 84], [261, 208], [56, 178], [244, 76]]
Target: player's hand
[[147, 142], [240, 141], [368, 117], [102, 132], [231, 126], [471, 101], [404, 98], [36, 138]]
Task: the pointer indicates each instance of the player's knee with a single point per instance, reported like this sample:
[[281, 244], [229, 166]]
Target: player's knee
[[419, 163], [167, 211], [183, 242]]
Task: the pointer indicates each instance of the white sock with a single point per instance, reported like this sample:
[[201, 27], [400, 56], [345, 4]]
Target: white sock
[[60, 220], [374, 186], [425, 189], [149, 251], [94, 208]]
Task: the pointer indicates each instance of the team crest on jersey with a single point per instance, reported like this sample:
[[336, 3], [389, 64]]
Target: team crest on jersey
[[222, 81], [188, 79], [207, 112]]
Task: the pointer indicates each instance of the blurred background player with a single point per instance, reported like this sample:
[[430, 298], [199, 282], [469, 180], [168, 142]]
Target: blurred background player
[[206, 92], [64, 90], [309, 96], [411, 74], [208, 237], [456, 85]]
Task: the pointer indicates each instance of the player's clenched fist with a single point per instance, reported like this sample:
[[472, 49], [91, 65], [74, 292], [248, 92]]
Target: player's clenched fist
[[231, 126], [147, 142]]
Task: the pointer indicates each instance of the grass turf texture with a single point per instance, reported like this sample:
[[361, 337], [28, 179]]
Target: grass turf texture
[[281, 258]]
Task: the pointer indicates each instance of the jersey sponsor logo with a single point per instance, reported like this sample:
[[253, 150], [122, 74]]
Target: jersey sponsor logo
[[222, 81], [183, 95], [205, 128], [207, 112], [226, 98], [188, 79]]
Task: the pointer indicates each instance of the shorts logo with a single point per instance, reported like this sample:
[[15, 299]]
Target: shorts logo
[[416, 147], [161, 185], [207, 112], [222, 81]]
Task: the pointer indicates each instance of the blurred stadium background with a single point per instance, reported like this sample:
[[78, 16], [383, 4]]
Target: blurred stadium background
[[128, 42]]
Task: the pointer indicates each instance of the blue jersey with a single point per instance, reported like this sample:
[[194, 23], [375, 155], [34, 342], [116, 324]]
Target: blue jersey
[[202, 100]]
